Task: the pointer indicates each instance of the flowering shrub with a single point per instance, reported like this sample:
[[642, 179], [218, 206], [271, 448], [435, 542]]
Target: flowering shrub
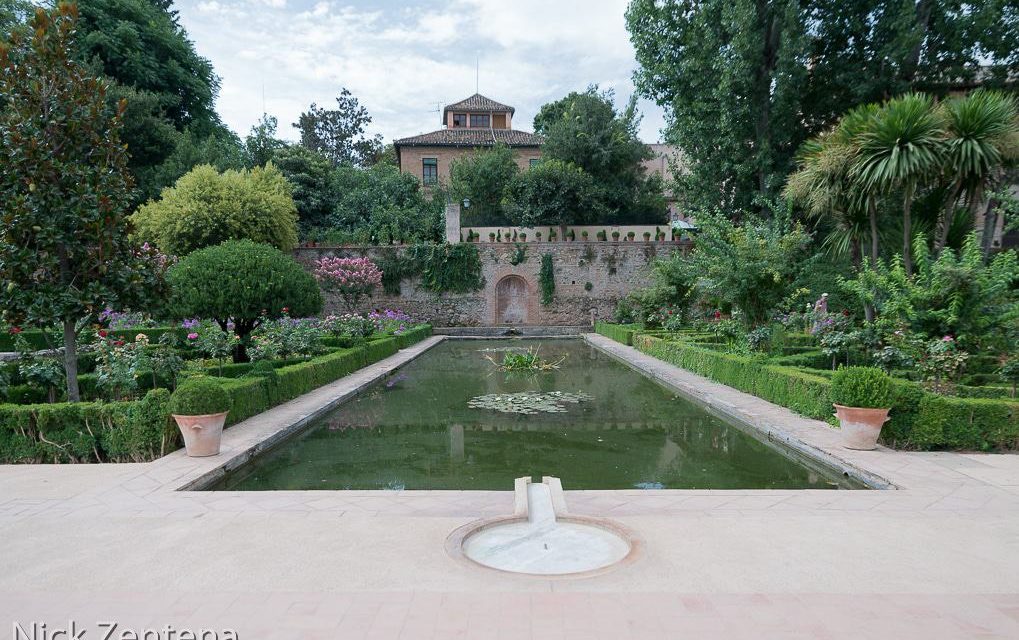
[[348, 325], [391, 321], [669, 317], [119, 363], [940, 363], [285, 338], [352, 278], [209, 339], [46, 372], [1009, 370]]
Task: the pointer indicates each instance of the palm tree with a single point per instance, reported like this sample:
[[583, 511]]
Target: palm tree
[[982, 135], [902, 144]]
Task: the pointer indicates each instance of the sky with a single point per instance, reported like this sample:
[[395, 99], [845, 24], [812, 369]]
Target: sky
[[404, 60]]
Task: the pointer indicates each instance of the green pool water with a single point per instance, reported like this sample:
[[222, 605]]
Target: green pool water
[[415, 430]]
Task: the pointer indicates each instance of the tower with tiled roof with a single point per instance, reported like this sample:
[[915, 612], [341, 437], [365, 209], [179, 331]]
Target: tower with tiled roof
[[472, 123]]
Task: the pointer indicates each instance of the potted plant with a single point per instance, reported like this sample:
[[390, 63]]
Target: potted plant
[[523, 237], [552, 235], [199, 406], [647, 236], [537, 236], [583, 235], [491, 236], [862, 397], [615, 236], [630, 235], [601, 235], [572, 235]]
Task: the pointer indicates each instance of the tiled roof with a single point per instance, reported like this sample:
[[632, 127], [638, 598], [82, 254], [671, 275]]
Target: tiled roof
[[474, 104], [466, 137]]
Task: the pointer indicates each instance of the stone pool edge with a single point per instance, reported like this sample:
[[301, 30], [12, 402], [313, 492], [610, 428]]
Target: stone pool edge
[[810, 438], [263, 431]]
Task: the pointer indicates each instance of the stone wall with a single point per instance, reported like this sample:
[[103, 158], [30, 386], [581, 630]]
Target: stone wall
[[590, 278]]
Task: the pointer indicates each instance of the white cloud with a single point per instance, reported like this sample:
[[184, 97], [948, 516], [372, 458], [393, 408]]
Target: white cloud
[[401, 61]]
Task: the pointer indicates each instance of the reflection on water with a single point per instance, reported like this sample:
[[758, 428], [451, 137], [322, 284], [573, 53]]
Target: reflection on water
[[415, 431]]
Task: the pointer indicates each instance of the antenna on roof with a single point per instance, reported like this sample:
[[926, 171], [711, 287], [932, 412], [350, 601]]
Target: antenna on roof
[[477, 72]]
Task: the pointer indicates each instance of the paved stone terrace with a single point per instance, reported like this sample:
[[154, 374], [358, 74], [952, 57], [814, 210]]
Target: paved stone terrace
[[937, 557]]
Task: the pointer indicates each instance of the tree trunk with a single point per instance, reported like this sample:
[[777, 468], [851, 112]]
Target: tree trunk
[[907, 231], [872, 214], [71, 361], [945, 221], [868, 312]]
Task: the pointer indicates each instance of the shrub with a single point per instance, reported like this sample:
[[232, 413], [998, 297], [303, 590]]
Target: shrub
[[242, 282], [206, 208], [546, 279], [865, 387], [553, 193], [199, 396], [352, 278]]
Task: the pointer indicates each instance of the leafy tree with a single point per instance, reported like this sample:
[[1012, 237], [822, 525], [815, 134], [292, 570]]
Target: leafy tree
[[221, 149], [744, 83], [380, 203], [750, 266], [902, 145], [352, 278], [339, 134], [13, 14], [311, 175], [553, 193], [243, 283], [207, 207], [585, 129], [142, 48], [262, 143], [64, 189], [484, 178]]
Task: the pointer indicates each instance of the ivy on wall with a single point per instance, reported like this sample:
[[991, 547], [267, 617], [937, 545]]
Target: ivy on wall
[[519, 255], [546, 279], [452, 268]]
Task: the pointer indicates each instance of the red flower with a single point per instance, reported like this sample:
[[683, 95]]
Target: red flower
[[102, 333], [119, 343], [15, 330], [845, 312], [286, 309]]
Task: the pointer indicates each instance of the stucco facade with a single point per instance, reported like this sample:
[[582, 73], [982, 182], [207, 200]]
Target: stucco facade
[[412, 158]]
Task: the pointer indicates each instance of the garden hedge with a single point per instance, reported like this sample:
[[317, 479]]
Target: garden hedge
[[141, 430], [919, 419], [618, 332]]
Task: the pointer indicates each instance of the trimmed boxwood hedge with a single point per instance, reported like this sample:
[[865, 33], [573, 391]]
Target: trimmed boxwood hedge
[[141, 430], [619, 332], [919, 419]]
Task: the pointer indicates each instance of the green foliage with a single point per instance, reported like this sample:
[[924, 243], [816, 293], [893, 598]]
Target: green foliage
[[64, 190], [262, 145], [553, 193], [484, 177], [546, 279], [621, 333], [339, 134], [863, 387], [242, 282], [519, 254], [311, 177], [448, 268], [585, 130], [797, 67], [206, 208], [199, 396], [749, 266], [219, 147], [673, 288]]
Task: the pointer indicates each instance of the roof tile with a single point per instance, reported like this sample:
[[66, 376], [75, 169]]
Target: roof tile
[[465, 137]]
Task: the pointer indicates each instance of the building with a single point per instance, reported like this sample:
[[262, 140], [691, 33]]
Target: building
[[668, 163], [474, 123]]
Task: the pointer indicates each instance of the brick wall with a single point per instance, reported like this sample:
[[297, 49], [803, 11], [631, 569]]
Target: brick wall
[[613, 269], [410, 158]]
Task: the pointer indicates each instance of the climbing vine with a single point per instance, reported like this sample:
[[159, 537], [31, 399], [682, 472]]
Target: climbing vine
[[519, 255], [453, 268], [546, 279]]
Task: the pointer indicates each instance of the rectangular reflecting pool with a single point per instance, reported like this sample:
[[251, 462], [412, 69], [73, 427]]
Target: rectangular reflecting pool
[[452, 420]]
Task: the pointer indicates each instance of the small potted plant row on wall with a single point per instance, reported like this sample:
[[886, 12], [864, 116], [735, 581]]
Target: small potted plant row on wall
[[862, 397]]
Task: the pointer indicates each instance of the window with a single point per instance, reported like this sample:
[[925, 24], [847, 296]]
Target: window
[[459, 119], [534, 162], [479, 120], [430, 170]]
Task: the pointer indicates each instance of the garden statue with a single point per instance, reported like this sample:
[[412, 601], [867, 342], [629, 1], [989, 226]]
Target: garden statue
[[820, 310]]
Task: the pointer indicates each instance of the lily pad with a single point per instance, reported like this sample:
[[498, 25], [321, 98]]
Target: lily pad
[[528, 402]]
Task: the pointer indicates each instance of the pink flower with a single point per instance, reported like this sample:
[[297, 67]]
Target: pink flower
[[947, 339], [192, 336]]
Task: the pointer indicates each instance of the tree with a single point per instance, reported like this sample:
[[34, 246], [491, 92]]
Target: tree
[[311, 176], [750, 266], [585, 129], [352, 278], [262, 144], [902, 144], [381, 203], [142, 48], [483, 178], [982, 131], [207, 207], [221, 149], [242, 283], [13, 14], [744, 83], [553, 193], [339, 134], [65, 253]]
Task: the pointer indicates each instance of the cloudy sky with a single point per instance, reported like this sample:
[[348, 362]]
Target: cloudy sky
[[403, 59]]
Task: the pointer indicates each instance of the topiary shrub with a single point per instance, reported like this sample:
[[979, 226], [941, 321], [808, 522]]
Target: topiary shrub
[[199, 396], [242, 282], [863, 387], [206, 207]]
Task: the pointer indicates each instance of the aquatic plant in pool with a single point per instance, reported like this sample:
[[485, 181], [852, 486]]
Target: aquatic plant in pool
[[612, 428], [528, 360]]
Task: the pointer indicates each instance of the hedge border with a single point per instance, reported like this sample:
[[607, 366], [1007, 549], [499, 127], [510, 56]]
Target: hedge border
[[919, 419], [140, 430]]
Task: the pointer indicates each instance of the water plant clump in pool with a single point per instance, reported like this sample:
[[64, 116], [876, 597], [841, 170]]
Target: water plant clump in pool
[[528, 402], [529, 360]]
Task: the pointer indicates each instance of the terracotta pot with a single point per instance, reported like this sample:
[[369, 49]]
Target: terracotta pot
[[860, 427], [202, 434]]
